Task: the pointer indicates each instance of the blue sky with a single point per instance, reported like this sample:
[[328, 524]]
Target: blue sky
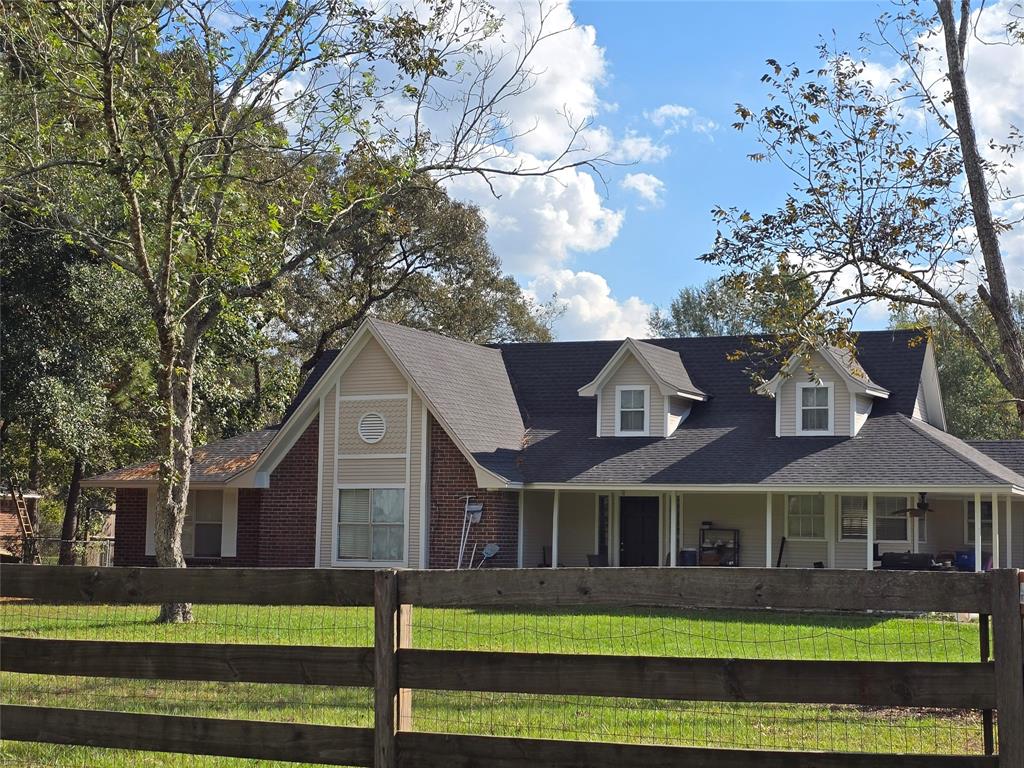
[[706, 56], [658, 82]]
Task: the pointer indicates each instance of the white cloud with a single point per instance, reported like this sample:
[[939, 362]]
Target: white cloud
[[646, 185], [673, 118], [590, 309], [538, 222], [636, 148]]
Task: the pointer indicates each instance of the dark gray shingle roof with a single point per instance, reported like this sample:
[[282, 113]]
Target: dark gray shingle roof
[[668, 365], [1009, 453], [468, 388]]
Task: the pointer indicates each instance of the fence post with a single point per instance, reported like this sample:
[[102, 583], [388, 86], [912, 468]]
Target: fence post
[[385, 666], [404, 721], [1009, 663]]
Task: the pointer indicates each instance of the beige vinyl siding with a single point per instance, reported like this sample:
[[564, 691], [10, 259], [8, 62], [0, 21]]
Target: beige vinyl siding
[[536, 525], [678, 410], [788, 392], [863, 404], [575, 528], [328, 493], [369, 471], [920, 404], [631, 372], [415, 480], [395, 438], [744, 511], [372, 373]]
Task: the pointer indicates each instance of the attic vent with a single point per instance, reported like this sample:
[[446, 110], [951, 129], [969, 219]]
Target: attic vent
[[372, 427]]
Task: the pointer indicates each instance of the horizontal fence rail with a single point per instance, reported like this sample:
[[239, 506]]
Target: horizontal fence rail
[[215, 662], [963, 685], [429, 750], [334, 745], [783, 588], [237, 586], [393, 668]]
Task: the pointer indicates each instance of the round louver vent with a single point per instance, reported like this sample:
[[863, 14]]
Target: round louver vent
[[371, 427]]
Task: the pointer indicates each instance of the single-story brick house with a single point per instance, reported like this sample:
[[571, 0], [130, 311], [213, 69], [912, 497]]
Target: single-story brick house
[[617, 453]]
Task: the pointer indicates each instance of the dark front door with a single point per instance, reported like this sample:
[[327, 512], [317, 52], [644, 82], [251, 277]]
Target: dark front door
[[638, 530]]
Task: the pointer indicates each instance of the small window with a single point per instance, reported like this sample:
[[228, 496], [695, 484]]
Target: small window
[[986, 522], [632, 411], [805, 517], [815, 414], [853, 517], [371, 524], [201, 533]]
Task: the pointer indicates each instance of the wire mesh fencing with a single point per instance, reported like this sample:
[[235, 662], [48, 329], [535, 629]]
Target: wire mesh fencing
[[705, 634], [724, 710]]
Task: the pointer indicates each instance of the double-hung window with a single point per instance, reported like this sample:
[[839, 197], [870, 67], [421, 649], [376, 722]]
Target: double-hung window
[[814, 409], [986, 522], [371, 524], [632, 411], [204, 523], [805, 517], [891, 521]]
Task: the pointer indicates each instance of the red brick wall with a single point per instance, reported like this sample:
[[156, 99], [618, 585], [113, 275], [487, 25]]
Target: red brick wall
[[130, 530], [12, 538], [452, 477], [287, 531], [130, 527]]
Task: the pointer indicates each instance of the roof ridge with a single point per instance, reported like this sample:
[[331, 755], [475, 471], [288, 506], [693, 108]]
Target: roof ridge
[[452, 339], [653, 340], [917, 426]]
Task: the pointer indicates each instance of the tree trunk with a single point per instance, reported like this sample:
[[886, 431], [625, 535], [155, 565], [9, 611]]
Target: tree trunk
[[996, 294], [70, 527], [175, 390]]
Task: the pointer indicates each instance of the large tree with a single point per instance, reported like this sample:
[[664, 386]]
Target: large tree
[[894, 199], [74, 340], [419, 258], [735, 305], [203, 148]]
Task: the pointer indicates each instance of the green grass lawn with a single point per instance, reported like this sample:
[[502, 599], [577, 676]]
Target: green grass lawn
[[672, 633]]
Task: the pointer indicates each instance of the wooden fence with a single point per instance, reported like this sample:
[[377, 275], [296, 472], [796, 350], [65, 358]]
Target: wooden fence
[[392, 668]]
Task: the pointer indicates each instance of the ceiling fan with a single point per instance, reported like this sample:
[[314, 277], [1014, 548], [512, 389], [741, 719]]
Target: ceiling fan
[[920, 509]]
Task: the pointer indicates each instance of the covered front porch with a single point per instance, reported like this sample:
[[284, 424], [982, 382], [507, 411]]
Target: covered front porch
[[790, 528]]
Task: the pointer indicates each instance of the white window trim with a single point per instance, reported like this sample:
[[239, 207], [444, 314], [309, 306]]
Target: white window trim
[[619, 389], [800, 387], [785, 518], [223, 525], [969, 528], [875, 539], [346, 563]]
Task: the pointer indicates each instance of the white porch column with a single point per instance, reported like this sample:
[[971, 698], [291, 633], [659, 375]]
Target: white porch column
[[1009, 531], [522, 525], [554, 532], [977, 532], [995, 531], [673, 529], [768, 530], [870, 541]]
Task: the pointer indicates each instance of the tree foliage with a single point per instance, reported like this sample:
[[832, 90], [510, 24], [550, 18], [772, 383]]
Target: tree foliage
[[732, 306], [884, 206], [210, 151]]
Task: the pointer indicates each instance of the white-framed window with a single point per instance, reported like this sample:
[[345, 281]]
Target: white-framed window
[[805, 517], [204, 524], [891, 524], [986, 522], [814, 408], [632, 410], [371, 524]]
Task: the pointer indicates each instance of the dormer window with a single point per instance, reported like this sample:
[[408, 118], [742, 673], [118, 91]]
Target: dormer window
[[814, 409], [632, 404]]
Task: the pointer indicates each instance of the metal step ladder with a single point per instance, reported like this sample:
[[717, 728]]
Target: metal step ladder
[[27, 531]]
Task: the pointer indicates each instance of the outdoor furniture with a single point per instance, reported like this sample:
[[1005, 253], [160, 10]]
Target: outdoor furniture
[[907, 561], [597, 561], [719, 546]]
